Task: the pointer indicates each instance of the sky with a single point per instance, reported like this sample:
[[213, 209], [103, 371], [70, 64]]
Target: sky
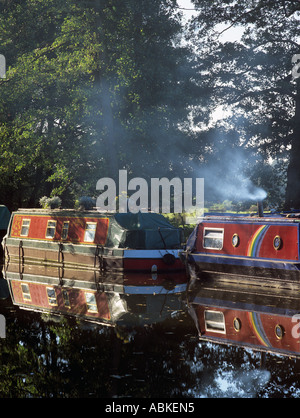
[[231, 34], [187, 5]]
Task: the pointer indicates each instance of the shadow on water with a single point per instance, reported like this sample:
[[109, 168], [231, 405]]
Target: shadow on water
[[145, 336]]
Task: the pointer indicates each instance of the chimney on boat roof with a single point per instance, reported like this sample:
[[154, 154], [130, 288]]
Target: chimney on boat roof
[[260, 209]]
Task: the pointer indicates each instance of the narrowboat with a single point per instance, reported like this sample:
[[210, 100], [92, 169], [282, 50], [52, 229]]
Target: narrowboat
[[263, 248], [248, 317], [89, 239]]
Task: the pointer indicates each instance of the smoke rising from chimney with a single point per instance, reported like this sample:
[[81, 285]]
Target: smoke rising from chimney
[[226, 178]]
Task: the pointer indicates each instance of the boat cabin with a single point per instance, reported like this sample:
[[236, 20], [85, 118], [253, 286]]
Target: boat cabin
[[142, 241], [236, 247]]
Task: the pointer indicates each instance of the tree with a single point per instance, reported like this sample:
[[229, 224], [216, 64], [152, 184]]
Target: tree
[[89, 85], [252, 76], [37, 101]]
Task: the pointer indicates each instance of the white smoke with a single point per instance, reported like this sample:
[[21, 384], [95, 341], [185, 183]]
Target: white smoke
[[227, 178]]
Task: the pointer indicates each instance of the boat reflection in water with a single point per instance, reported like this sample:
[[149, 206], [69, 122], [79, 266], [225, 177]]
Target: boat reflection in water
[[244, 315], [120, 299], [248, 316]]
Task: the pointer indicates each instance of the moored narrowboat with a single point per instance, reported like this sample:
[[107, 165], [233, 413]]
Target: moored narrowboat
[[89, 239], [238, 248]]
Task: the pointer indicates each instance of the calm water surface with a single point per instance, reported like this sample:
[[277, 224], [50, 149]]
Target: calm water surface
[[151, 350]]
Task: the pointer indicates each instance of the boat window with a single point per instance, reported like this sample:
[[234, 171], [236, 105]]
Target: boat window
[[25, 227], [51, 296], [214, 321], [90, 231], [213, 238], [25, 291], [51, 227], [65, 230], [91, 302]]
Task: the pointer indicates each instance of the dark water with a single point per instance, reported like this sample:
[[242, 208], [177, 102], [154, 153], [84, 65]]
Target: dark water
[[153, 352]]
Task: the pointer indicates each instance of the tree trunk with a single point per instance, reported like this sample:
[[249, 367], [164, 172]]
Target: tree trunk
[[292, 197]]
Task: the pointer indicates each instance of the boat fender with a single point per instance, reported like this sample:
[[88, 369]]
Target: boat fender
[[169, 259]]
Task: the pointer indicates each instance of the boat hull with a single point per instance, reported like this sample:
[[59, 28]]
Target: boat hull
[[92, 256], [238, 269]]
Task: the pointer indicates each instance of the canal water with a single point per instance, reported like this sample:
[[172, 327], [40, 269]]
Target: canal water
[[152, 345]]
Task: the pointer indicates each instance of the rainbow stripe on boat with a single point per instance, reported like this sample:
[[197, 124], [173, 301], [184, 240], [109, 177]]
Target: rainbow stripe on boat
[[256, 240]]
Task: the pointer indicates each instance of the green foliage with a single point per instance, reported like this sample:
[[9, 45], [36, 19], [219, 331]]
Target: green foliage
[[50, 202], [94, 87], [86, 84], [252, 77]]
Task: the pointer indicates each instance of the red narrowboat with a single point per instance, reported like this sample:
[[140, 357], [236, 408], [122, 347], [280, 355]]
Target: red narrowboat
[[89, 239], [237, 248]]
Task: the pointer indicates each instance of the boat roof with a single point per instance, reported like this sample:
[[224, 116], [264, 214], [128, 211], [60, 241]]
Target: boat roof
[[268, 217], [140, 220], [126, 230]]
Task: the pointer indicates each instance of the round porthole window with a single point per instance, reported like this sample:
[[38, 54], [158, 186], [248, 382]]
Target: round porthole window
[[235, 240], [279, 331], [277, 242], [237, 324]]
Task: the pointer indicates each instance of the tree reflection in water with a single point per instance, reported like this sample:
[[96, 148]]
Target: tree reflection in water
[[45, 358], [150, 348]]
